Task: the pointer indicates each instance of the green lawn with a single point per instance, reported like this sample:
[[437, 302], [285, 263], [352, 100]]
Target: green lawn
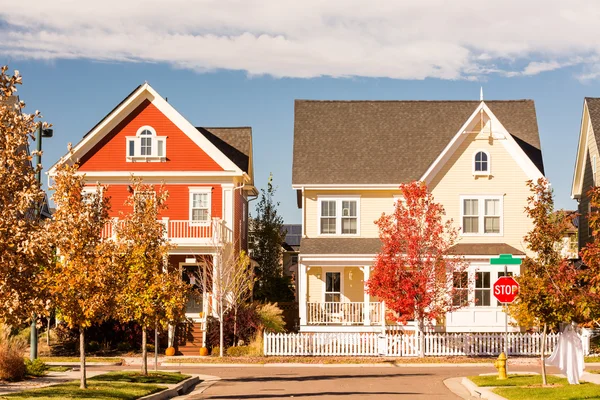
[[56, 368], [594, 359], [113, 385], [87, 359], [136, 377], [528, 387], [96, 390]]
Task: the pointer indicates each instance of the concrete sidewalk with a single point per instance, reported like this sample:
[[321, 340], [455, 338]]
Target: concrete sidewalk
[[52, 378]]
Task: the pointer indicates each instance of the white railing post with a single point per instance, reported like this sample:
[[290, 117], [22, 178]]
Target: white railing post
[[366, 300]]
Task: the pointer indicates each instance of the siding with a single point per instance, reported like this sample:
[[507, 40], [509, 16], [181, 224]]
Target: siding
[[507, 180], [588, 183], [315, 285], [354, 289], [178, 202], [109, 154], [240, 223]]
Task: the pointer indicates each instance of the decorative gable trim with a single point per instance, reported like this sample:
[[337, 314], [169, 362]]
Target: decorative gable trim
[[146, 92], [582, 152], [499, 132]]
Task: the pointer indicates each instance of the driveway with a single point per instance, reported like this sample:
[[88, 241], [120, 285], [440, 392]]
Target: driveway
[[350, 382]]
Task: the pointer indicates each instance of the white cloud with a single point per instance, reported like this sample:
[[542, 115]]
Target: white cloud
[[462, 39]]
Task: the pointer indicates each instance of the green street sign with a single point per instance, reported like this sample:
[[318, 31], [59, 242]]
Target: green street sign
[[505, 259]]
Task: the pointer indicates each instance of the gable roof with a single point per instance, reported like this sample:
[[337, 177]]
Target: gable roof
[[593, 104], [590, 117], [391, 142], [142, 93]]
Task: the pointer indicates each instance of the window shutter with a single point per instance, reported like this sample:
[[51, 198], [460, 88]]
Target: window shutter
[[131, 148], [160, 147]]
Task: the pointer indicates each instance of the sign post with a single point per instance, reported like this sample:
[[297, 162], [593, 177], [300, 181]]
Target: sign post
[[505, 289]]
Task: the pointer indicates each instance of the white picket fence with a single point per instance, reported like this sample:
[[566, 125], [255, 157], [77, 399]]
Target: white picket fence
[[406, 345]]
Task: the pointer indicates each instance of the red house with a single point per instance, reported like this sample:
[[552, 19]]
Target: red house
[[207, 171]]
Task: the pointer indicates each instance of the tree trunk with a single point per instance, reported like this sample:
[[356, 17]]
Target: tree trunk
[[221, 334], [421, 338], [543, 351], [48, 333], [144, 351], [83, 382]]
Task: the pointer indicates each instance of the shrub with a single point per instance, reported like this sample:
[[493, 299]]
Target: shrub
[[36, 367], [93, 346], [123, 346], [150, 348], [238, 351], [247, 324], [12, 364], [215, 351], [271, 317]]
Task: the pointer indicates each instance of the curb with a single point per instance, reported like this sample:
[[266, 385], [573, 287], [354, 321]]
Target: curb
[[77, 364], [174, 391], [321, 365], [480, 392], [207, 381]]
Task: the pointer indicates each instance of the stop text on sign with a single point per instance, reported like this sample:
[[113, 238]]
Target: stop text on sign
[[505, 289]]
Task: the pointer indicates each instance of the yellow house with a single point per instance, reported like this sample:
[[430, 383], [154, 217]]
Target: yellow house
[[350, 158]]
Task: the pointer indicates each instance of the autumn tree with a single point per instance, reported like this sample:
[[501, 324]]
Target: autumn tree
[[151, 294], [24, 248], [548, 293], [267, 249], [590, 255], [413, 273], [84, 280]]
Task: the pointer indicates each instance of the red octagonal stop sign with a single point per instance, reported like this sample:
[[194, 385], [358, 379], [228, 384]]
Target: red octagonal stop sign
[[506, 289]]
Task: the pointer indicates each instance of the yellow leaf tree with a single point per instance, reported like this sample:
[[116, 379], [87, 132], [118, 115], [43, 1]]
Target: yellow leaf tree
[[84, 280], [152, 294], [24, 246]]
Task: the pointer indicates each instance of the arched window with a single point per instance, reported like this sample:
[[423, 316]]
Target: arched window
[[481, 163], [146, 145]]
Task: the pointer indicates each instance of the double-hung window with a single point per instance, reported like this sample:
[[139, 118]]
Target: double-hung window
[[460, 283], [339, 216], [482, 289], [481, 215], [146, 145], [200, 199]]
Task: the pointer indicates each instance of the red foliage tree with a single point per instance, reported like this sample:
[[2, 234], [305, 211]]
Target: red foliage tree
[[414, 271]]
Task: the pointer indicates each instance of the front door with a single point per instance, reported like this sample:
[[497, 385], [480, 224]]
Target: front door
[[193, 275]]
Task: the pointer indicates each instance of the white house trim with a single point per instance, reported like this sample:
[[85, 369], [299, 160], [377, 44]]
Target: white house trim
[[144, 92], [509, 143], [582, 152]]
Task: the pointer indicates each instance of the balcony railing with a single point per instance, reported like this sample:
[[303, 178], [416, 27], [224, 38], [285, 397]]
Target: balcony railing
[[185, 231], [334, 313]]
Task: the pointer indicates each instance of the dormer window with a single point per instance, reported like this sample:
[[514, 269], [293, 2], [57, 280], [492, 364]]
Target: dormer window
[[481, 163], [146, 146]]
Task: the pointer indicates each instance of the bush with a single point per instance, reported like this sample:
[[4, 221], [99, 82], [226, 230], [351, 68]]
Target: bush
[[150, 348], [93, 346], [36, 367], [12, 364], [239, 351], [215, 351], [247, 324], [271, 317], [123, 346]]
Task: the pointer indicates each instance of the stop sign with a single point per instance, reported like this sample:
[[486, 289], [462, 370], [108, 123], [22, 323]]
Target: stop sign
[[506, 289]]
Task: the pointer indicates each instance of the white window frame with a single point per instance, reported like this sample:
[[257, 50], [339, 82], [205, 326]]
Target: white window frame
[[489, 163], [481, 214], [136, 140], [200, 190], [338, 215]]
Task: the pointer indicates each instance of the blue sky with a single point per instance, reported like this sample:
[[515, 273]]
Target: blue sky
[[75, 94], [232, 63]]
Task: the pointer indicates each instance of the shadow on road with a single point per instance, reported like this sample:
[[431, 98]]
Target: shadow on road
[[304, 378], [281, 395]]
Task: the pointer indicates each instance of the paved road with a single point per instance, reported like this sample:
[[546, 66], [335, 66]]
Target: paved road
[[364, 383]]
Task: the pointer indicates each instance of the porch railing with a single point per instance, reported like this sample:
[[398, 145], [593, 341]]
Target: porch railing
[[343, 313]]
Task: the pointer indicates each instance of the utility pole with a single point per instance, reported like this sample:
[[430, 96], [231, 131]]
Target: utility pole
[[40, 133]]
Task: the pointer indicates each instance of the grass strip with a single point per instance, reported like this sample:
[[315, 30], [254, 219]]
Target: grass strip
[[137, 377], [513, 380], [565, 391], [87, 359], [95, 391]]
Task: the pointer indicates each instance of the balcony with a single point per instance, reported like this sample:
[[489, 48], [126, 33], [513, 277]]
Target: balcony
[[343, 313], [186, 232]]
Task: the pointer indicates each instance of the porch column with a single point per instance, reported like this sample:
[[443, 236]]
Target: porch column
[[367, 301], [302, 281]]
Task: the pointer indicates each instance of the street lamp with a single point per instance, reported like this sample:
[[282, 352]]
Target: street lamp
[[40, 133]]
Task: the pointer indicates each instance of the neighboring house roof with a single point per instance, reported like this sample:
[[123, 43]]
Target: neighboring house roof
[[293, 234], [373, 246], [391, 142], [590, 116], [234, 142]]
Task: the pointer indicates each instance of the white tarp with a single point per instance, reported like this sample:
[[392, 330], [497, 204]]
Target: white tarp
[[568, 355]]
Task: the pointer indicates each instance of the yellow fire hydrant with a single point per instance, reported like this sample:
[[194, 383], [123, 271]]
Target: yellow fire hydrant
[[500, 364]]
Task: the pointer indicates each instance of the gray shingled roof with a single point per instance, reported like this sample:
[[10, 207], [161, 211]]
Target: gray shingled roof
[[390, 142], [373, 246], [235, 143], [593, 104]]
